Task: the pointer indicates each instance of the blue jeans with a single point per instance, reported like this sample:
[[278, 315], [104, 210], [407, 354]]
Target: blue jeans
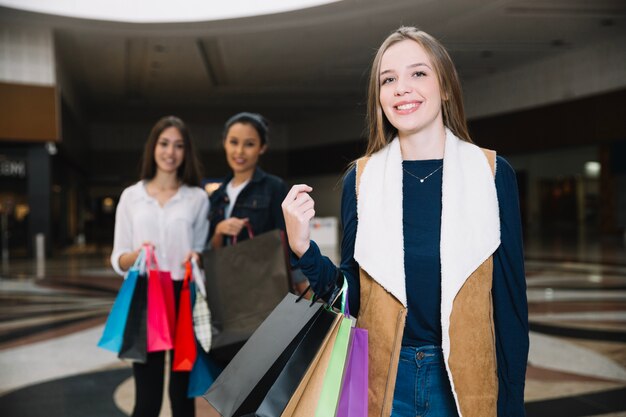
[[422, 385]]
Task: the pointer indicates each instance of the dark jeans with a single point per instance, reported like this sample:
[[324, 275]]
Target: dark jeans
[[422, 386], [149, 380]]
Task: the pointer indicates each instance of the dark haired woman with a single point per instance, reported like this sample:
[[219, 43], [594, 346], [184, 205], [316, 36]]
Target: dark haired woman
[[432, 246], [249, 194], [167, 210]]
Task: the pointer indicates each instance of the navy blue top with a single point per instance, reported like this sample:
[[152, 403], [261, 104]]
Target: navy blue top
[[422, 232], [422, 225]]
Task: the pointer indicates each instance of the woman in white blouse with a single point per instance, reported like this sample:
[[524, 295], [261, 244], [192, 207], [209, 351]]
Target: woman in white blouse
[[167, 210]]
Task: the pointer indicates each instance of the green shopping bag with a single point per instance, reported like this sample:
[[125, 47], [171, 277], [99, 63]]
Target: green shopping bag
[[331, 388]]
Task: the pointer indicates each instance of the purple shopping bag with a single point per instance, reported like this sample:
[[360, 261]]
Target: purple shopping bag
[[353, 397]]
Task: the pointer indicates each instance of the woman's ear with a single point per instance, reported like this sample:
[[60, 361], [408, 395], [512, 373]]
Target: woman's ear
[[263, 149]]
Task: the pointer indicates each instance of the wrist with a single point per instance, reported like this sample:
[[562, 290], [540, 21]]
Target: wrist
[[301, 249]]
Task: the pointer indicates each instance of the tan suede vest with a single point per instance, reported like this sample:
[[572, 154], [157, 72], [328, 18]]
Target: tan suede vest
[[472, 360]]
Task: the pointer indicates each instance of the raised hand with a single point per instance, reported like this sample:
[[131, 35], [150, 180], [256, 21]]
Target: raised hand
[[298, 210]]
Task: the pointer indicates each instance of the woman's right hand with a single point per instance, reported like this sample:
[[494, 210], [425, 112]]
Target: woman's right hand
[[231, 226], [298, 210], [128, 259]]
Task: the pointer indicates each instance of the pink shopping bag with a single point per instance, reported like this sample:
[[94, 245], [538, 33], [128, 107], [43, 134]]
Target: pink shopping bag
[[161, 307]]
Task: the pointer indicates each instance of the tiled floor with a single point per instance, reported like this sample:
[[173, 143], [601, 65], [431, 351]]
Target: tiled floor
[[49, 327]]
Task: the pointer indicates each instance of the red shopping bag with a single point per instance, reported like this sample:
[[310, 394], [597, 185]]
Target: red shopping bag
[[184, 342], [161, 310]]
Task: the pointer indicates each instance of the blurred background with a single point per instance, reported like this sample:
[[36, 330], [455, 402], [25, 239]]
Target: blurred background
[[81, 84]]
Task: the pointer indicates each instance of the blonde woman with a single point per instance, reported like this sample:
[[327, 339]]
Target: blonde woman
[[432, 246]]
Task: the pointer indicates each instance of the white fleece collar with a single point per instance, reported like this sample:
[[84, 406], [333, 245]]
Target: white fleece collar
[[470, 221]]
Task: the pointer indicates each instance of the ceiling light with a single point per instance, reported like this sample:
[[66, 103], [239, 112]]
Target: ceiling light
[[592, 169], [161, 11]]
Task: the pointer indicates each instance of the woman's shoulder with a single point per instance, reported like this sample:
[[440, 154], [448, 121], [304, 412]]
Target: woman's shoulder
[[349, 181], [271, 178], [504, 168], [133, 191], [506, 179], [194, 191], [349, 176]]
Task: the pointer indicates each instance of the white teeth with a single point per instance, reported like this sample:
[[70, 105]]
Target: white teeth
[[406, 106]]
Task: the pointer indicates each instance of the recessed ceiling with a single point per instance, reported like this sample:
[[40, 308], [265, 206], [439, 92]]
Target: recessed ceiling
[[313, 57]]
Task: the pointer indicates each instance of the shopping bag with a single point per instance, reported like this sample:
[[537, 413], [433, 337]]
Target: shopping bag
[[184, 341], [134, 344], [203, 374], [113, 333], [298, 365], [231, 272], [201, 313], [318, 392], [161, 306], [305, 398], [204, 370], [329, 396], [353, 399], [255, 359]]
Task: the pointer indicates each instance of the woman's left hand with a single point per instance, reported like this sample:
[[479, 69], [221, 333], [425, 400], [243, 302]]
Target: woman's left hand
[[193, 256]]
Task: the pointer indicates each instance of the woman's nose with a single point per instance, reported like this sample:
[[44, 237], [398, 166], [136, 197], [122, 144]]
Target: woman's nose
[[402, 88]]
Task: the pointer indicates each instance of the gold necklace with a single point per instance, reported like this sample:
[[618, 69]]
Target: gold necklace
[[422, 179]]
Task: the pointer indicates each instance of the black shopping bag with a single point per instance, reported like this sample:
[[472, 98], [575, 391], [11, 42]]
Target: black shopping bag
[[134, 345], [245, 382], [272, 394], [244, 283]]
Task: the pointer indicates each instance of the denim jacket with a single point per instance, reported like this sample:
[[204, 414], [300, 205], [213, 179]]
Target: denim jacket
[[259, 201]]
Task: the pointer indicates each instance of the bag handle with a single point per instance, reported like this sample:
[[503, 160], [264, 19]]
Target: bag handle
[[198, 277], [151, 257], [339, 292], [343, 293], [140, 262], [250, 233], [345, 309], [188, 273]]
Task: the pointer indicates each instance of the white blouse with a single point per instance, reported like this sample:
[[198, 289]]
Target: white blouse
[[180, 226]]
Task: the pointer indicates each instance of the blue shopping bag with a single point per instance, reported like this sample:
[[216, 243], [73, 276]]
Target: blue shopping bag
[[204, 370], [113, 333], [203, 374]]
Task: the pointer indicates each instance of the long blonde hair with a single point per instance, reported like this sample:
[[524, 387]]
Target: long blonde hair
[[381, 132]]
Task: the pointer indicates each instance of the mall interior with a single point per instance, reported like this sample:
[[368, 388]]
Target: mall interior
[[81, 84]]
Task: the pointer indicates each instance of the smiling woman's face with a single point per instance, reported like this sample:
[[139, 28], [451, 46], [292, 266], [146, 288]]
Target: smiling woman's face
[[243, 148], [169, 151], [410, 95]]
